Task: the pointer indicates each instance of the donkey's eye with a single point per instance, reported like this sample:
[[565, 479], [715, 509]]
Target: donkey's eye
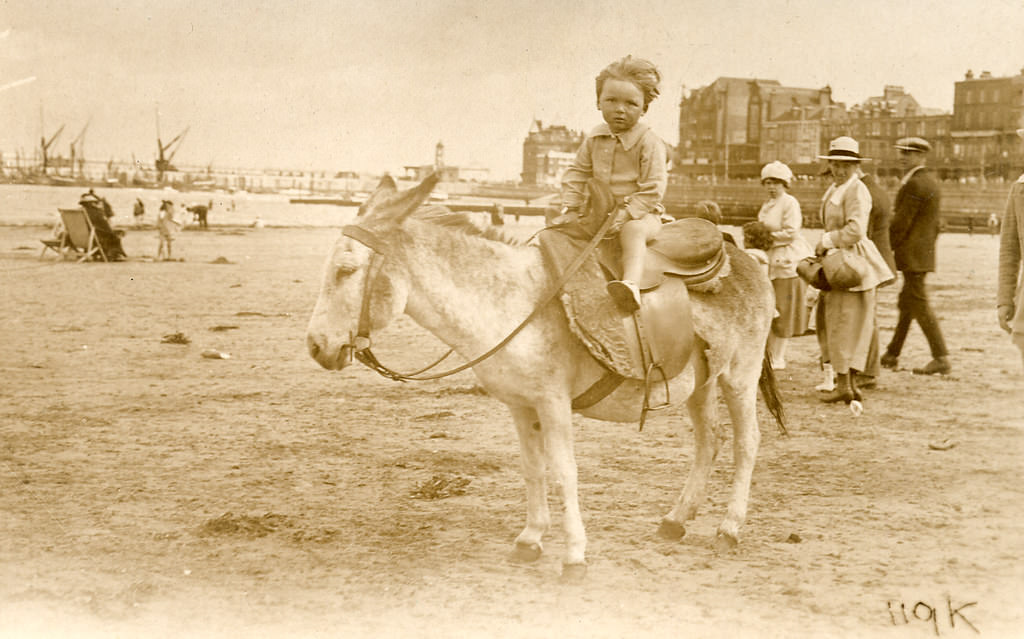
[[346, 264]]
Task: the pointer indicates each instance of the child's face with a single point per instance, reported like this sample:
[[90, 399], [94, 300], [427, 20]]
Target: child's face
[[621, 104]]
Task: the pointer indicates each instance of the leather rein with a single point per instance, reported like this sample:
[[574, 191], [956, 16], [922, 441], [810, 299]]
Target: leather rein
[[361, 343]]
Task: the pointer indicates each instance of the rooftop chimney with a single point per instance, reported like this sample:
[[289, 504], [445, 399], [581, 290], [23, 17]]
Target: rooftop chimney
[[969, 75], [986, 74]]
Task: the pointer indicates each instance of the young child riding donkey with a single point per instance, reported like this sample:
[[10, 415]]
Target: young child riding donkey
[[539, 339]]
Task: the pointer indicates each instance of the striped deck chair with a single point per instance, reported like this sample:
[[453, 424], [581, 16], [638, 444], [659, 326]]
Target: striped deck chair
[[80, 236]]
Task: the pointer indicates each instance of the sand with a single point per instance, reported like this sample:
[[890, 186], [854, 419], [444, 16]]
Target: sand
[[150, 491]]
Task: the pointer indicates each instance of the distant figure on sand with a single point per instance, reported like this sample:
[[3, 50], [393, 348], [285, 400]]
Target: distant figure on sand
[[199, 212], [166, 227], [139, 212]]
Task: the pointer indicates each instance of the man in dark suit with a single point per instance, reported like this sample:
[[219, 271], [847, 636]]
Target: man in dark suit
[[879, 220], [914, 229]]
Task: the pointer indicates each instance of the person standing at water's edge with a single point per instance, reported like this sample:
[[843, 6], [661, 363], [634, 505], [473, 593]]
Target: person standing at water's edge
[[139, 212], [1010, 293], [166, 227], [781, 215], [631, 158], [914, 230]]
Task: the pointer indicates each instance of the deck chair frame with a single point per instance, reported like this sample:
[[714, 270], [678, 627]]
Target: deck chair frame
[[80, 236]]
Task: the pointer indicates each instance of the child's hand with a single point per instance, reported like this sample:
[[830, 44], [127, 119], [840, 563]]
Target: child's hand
[[566, 216]]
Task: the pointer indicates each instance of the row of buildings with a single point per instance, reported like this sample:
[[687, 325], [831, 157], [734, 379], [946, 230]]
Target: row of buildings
[[733, 126]]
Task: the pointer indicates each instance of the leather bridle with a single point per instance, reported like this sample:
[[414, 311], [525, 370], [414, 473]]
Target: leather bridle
[[361, 342]]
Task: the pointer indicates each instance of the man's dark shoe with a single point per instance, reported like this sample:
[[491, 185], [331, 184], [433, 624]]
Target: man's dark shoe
[[865, 381], [938, 366], [890, 361]]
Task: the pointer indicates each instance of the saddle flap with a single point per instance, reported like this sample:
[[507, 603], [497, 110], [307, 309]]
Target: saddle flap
[[609, 334]]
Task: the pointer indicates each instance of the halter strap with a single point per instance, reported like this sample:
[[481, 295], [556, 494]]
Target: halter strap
[[365, 237], [366, 356]]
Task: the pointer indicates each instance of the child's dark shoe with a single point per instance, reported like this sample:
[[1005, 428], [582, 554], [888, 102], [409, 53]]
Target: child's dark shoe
[[626, 294]]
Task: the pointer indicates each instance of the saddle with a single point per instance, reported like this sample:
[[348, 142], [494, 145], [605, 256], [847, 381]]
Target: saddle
[[687, 254]]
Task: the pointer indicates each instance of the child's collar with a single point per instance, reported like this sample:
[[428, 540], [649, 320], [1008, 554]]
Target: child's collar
[[628, 139]]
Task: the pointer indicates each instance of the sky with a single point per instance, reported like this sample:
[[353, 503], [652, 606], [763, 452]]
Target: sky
[[372, 86]]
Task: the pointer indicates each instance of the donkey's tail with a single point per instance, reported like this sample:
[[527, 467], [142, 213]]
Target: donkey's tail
[[770, 392]]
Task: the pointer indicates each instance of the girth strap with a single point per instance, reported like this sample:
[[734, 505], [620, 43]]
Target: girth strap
[[600, 389]]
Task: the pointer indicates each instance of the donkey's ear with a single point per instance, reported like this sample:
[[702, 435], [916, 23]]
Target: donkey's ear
[[408, 201], [386, 189]]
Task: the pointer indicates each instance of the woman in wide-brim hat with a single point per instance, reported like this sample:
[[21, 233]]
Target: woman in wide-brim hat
[[781, 214], [849, 314]]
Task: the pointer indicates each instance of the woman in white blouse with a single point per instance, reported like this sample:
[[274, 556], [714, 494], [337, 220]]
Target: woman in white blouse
[[781, 214]]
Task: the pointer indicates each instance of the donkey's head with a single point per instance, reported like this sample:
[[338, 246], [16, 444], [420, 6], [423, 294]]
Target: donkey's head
[[362, 290]]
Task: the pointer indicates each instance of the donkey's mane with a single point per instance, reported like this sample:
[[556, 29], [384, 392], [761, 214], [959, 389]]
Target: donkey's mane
[[441, 216]]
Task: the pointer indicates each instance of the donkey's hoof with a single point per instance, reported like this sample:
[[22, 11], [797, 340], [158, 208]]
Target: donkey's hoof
[[671, 530], [574, 573], [526, 553], [724, 542]]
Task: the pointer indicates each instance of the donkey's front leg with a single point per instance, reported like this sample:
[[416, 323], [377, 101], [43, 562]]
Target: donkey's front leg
[[556, 425], [531, 456]]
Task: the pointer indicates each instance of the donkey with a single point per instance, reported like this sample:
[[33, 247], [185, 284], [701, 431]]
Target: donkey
[[471, 288]]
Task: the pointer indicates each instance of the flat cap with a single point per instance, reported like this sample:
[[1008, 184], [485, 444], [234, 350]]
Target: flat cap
[[919, 145]]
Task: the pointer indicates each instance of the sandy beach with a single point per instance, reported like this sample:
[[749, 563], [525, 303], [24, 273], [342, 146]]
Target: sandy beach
[[146, 490]]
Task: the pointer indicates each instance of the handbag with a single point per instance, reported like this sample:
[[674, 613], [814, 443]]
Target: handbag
[[839, 270]]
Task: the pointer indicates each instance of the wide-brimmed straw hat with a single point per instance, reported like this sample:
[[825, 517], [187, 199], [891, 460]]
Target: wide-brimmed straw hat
[[777, 171], [843, 148], [917, 145]]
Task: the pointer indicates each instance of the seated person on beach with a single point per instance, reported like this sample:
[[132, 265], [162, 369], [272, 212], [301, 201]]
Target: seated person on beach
[[109, 240]]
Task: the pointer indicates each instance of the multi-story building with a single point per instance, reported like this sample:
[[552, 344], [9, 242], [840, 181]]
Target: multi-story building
[[799, 135], [721, 125], [878, 122], [987, 111], [548, 152]]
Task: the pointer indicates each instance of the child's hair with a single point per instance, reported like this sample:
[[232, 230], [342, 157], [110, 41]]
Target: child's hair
[[640, 72], [710, 211], [757, 235]]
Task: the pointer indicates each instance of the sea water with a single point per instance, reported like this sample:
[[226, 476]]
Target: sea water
[[22, 205]]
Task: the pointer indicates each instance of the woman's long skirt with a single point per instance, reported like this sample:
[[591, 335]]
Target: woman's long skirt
[[849, 321], [791, 302]]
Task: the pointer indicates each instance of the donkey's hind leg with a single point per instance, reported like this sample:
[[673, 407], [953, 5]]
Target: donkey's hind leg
[[532, 460], [707, 439], [739, 387]]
